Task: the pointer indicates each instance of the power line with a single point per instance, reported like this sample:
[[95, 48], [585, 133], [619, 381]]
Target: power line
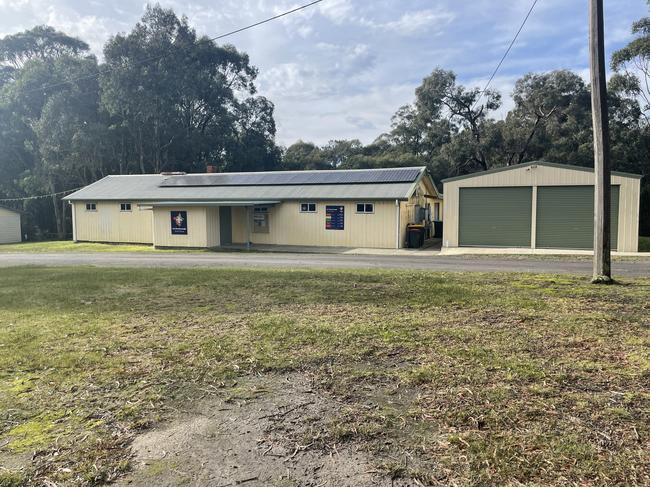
[[155, 58], [288, 12], [5, 200], [505, 55], [142, 61]]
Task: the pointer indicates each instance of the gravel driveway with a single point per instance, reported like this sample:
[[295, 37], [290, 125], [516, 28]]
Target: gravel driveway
[[638, 268]]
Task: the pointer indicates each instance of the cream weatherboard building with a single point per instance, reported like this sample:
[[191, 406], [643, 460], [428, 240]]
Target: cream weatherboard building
[[537, 205], [340, 208], [9, 226]]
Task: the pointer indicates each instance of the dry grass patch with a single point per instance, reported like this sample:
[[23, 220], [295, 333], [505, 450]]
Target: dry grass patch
[[441, 378]]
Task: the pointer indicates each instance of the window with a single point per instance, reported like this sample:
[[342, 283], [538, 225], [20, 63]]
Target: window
[[260, 219], [307, 207], [125, 206], [91, 207], [365, 208]]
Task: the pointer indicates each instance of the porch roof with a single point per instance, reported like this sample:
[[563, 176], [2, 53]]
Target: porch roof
[[209, 203]]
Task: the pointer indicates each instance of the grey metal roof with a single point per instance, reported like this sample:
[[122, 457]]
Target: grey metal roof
[[288, 178], [148, 188], [538, 163]]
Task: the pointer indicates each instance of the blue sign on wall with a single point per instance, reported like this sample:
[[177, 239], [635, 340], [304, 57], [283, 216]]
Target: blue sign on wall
[[334, 217], [179, 222]]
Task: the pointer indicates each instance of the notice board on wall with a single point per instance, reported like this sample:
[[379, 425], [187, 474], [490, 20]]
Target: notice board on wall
[[334, 217], [179, 222]]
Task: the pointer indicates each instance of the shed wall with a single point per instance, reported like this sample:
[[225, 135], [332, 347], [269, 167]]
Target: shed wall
[[109, 224], [628, 219], [10, 231]]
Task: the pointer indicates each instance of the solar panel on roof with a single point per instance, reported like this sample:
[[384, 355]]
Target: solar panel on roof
[[396, 175]]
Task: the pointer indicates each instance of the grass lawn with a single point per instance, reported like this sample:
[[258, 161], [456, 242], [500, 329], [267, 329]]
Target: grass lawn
[[514, 379], [70, 246], [644, 244]]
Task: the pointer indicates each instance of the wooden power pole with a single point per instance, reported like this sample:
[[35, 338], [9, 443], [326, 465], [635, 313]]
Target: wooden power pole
[[602, 193]]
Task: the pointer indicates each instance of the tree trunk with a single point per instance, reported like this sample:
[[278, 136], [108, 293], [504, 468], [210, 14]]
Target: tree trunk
[[58, 214], [522, 153], [64, 205], [141, 151]]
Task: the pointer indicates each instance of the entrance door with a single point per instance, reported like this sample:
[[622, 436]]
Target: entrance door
[[225, 225]]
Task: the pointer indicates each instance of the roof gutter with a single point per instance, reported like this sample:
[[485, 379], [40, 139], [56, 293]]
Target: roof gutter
[[209, 203], [537, 163]]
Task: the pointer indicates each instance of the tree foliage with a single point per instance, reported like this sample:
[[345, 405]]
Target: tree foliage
[[452, 130], [182, 101], [630, 100], [163, 99]]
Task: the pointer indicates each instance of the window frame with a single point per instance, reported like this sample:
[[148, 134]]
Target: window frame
[[365, 208], [91, 206], [262, 214], [123, 208], [308, 204]]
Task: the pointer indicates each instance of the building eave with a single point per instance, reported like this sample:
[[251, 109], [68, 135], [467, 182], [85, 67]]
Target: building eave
[[537, 163]]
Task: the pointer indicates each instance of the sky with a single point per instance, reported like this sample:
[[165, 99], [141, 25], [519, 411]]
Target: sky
[[340, 69]]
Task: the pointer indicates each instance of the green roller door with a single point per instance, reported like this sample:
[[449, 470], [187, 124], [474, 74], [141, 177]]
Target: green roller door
[[565, 217], [495, 217]]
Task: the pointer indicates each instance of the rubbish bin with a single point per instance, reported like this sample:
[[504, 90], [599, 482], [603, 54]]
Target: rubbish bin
[[415, 236], [437, 229]]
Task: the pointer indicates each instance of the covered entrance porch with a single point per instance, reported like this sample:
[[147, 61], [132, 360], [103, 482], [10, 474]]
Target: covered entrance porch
[[200, 224]]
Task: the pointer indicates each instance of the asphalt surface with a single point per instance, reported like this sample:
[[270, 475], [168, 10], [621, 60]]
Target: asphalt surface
[[638, 268]]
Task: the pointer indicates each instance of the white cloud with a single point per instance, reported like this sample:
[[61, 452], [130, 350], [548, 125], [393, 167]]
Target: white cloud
[[364, 115], [341, 68], [305, 31], [89, 28], [334, 71], [92, 28], [13, 4], [336, 10], [415, 22]]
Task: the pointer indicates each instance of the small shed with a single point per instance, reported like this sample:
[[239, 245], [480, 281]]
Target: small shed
[[9, 226], [537, 205]]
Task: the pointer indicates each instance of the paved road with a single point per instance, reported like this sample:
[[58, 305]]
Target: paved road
[[640, 268]]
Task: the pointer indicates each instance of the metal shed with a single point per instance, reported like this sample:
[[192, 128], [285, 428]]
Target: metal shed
[[537, 205], [10, 231]]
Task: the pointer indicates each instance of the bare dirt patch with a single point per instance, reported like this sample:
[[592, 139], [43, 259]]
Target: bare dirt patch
[[258, 433]]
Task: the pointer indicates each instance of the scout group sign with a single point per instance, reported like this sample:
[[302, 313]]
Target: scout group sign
[[179, 222]]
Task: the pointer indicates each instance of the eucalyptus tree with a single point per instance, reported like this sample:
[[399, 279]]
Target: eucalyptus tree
[[551, 119], [445, 112], [41, 42], [633, 61], [180, 97], [630, 89], [45, 101], [304, 155]]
